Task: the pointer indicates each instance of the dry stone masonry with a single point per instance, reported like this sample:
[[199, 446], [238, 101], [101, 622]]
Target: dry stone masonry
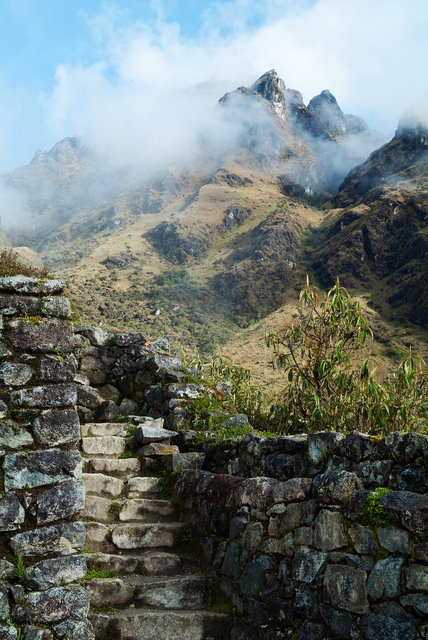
[[42, 490], [333, 544]]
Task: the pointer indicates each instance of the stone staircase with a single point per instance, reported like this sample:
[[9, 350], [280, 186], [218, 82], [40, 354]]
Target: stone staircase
[[152, 591]]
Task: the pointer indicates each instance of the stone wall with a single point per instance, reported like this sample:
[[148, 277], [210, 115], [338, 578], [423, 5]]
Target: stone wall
[[42, 492], [317, 552]]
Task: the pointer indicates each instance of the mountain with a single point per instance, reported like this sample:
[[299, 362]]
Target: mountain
[[377, 236], [202, 252]]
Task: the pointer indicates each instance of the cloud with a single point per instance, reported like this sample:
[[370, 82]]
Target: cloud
[[152, 93]]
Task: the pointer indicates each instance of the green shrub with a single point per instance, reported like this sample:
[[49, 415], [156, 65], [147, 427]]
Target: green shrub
[[330, 378], [11, 266]]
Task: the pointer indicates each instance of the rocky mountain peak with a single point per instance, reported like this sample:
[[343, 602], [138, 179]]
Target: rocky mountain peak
[[411, 128], [325, 108], [272, 88]]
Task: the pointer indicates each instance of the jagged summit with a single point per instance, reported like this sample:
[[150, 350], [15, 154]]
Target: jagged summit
[[411, 127]]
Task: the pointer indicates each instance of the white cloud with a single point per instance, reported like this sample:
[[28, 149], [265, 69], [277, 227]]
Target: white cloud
[[152, 95]]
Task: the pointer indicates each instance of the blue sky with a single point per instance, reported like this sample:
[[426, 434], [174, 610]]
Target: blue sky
[[86, 67]]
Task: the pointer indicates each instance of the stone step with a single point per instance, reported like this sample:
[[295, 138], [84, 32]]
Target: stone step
[[149, 536], [144, 624], [142, 487], [146, 510], [100, 509], [172, 592], [124, 468], [106, 429], [104, 446], [103, 485], [98, 537], [153, 563], [108, 592], [158, 449]]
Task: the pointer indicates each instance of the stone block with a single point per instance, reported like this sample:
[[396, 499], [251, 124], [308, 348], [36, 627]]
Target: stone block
[[32, 632], [149, 432], [298, 514], [345, 588], [19, 305], [410, 508], [56, 571], [100, 484], [12, 436], [384, 579], [394, 539], [62, 539], [190, 460], [357, 446], [40, 468], [51, 396], [4, 601], [56, 426], [335, 487], [61, 501], [413, 478], [307, 563], [14, 374], [57, 604], [158, 449], [388, 621], [417, 577], [40, 335], [7, 632], [78, 630], [303, 536], [283, 466], [323, 444], [254, 576], [12, 513], [129, 339], [7, 570], [420, 551], [106, 446], [56, 306], [416, 602], [23, 284], [329, 533], [54, 368], [340, 623], [363, 539], [137, 536], [406, 447]]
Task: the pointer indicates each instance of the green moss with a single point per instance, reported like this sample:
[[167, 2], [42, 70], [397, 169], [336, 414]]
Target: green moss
[[373, 511]]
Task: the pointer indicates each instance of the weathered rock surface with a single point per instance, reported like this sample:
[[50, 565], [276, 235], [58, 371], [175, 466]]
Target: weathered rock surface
[[40, 468]]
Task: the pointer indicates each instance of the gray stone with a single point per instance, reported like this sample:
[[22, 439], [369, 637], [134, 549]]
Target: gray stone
[[384, 579], [261, 493], [12, 436], [307, 563], [420, 551], [54, 368], [283, 466], [357, 446], [329, 533], [7, 632], [47, 397], [62, 539], [57, 604], [189, 460], [374, 473], [4, 352], [345, 588], [133, 338], [7, 570], [40, 335], [107, 412], [97, 336], [253, 577], [23, 284], [61, 501], [4, 409], [253, 536], [19, 305], [410, 508], [363, 539], [4, 601], [303, 536], [359, 562], [149, 432], [12, 513], [56, 426], [417, 577], [14, 374], [56, 306], [413, 478], [335, 486], [322, 445], [298, 514], [394, 539], [127, 407], [37, 633], [306, 601], [340, 623], [416, 601], [81, 630], [406, 447], [40, 468], [388, 621], [56, 571]]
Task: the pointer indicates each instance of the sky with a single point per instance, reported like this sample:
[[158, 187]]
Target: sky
[[142, 78]]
